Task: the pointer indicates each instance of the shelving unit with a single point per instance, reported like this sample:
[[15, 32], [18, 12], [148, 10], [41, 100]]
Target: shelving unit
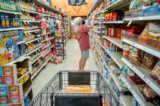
[[140, 70], [144, 74], [116, 41], [135, 91], [116, 56], [146, 48], [25, 60], [40, 68], [11, 29]]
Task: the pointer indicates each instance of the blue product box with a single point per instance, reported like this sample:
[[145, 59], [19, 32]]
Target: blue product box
[[3, 90], [20, 35], [2, 21], [7, 21]]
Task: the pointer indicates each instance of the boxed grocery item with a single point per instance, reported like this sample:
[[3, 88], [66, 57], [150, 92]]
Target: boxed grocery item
[[9, 51], [2, 21], [80, 89]]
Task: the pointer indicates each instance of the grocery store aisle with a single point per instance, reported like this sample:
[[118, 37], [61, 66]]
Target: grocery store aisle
[[71, 63]]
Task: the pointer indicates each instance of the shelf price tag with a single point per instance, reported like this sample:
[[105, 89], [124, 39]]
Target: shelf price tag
[[129, 23]]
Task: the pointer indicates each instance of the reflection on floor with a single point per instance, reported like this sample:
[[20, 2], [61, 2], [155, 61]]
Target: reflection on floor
[[71, 63]]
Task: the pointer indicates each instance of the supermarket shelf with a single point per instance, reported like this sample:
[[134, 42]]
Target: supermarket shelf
[[10, 29], [135, 91], [38, 2], [116, 41], [116, 56], [10, 12], [46, 46], [143, 18], [95, 6], [95, 31], [31, 31], [33, 40], [144, 74], [17, 81], [26, 94], [126, 100], [27, 21], [99, 53], [28, 11], [146, 48], [45, 40], [117, 5], [20, 59], [20, 42], [115, 78], [53, 17], [34, 50], [51, 38], [41, 68], [36, 59], [114, 22], [46, 53]]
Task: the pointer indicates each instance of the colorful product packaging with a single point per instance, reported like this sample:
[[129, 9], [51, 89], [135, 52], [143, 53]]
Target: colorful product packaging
[[2, 21], [111, 32]]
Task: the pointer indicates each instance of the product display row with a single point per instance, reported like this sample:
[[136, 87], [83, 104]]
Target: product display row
[[125, 44], [28, 34]]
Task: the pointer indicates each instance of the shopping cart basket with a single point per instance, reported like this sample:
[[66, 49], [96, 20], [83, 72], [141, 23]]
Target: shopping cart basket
[[53, 94]]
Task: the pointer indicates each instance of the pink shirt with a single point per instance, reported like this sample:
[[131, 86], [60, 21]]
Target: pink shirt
[[83, 38]]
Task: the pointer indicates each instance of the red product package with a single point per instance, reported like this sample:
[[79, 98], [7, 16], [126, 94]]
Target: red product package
[[119, 33], [114, 16], [118, 49], [111, 32], [134, 31], [111, 17], [40, 9], [115, 32]]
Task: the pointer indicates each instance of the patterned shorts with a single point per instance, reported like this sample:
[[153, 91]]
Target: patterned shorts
[[85, 54]]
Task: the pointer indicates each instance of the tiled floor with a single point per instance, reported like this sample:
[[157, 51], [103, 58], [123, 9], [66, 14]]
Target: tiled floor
[[71, 63]]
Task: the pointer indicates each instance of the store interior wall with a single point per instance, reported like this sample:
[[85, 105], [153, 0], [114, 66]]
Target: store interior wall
[[73, 10]]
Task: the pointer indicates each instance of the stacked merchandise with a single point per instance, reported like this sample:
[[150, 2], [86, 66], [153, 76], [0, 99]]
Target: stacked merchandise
[[128, 55], [73, 32], [25, 41]]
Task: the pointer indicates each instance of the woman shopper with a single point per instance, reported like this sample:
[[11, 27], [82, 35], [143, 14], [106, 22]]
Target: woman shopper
[[83, 40]]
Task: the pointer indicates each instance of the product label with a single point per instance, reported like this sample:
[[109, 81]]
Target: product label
[[8, 79], [1, 70], [4, 99], [24, 78], [15, 98], [14, 90], [7, 70], [3, 90]]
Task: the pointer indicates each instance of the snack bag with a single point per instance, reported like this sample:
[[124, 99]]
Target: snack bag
[[155, 74], [126, 51], [135, 55], [143, 38], [149, 60], [148, 93], [154, 34]]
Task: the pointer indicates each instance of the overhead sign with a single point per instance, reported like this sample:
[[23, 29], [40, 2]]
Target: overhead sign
[[77, 2]]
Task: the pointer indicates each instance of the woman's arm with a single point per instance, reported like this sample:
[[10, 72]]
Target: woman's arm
[[92, 23]]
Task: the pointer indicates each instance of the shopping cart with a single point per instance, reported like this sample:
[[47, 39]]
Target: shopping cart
[[53, 94]]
